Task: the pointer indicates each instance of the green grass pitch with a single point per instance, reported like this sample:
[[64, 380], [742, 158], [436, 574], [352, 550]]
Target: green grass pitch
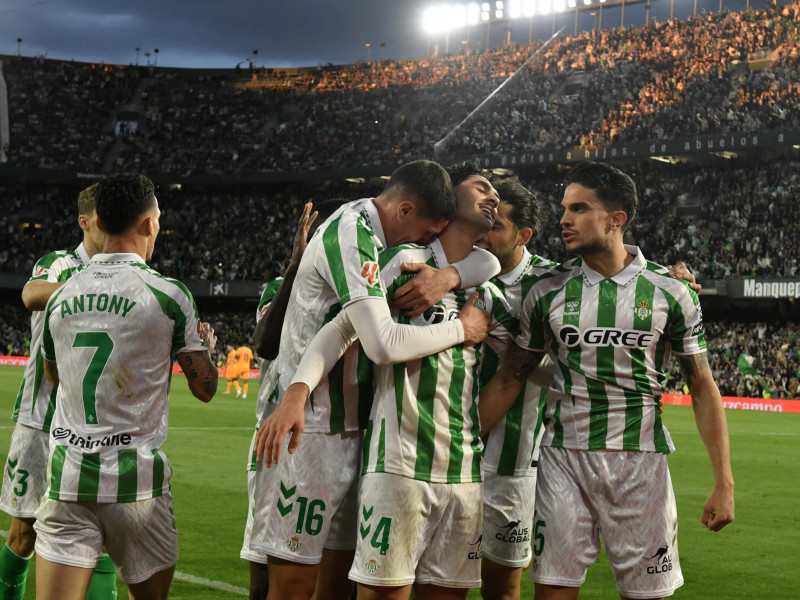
[[755, 557]]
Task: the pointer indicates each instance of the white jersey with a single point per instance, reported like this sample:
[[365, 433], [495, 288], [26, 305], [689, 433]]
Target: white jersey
[[512, 446], [339, 266], [36, 399], [113, 330], [424, 418], [610, 340]]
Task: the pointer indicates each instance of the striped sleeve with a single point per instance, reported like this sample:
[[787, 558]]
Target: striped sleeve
[[266, 297], [349, 260], [178, 305]]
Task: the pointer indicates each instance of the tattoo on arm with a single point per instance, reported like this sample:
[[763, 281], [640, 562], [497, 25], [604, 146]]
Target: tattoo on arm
[[521, 363], [692, 365]]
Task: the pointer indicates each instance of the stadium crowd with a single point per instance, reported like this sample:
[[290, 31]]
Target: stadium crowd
[[670, 79]]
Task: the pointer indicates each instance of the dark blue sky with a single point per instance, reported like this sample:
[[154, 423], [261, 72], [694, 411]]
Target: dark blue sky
[[213, 33]]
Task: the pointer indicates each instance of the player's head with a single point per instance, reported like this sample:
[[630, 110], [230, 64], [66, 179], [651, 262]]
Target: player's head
[[516, 224], [420, 202], [230, 348], [126, 204], [93, 237], [599, 203], [476, 197]]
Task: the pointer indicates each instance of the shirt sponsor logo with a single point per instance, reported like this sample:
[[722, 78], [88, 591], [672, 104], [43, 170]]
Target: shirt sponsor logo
[[571, 336], [87, 443], [369, 272], [698, 329]]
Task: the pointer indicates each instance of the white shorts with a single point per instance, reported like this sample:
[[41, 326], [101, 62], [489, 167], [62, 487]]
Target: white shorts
[[307, 501], [625, 497], [508, 518], [25, 472], [140, 537], [419, 531]]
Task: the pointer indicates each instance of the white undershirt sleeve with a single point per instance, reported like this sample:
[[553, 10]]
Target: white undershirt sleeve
[[477, 268], [384, 341]]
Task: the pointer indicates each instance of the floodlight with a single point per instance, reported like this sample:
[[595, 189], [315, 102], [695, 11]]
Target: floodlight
[[545, 7], [458, 16], [429, 20], [484, 16], [560, 5], [587, 2], [485, 7], [498, 14], [528, 8], [572, 3], [515, 9], [473, 14], [499, 5]]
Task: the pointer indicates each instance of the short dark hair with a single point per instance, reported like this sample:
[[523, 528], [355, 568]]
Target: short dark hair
[[86, 205], [460, 172], [526, 207], [615, 189], [429, 184], [121, 199]]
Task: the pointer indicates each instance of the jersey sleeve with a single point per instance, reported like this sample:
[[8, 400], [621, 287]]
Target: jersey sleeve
[[348, 259], [686, 331], [503, 326], [266, 297], [48, 347], [178, 305], [52, 267]]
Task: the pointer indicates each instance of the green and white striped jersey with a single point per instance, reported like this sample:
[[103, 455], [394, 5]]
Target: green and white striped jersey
[[610, 339], [36, 399], [424, 419], [113, 330], [339, 266], [512, 446]]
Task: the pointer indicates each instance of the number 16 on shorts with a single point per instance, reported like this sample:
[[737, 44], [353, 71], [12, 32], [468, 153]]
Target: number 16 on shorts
[[309, 514]]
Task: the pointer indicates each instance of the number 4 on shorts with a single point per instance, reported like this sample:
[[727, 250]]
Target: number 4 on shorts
[[380, 539]]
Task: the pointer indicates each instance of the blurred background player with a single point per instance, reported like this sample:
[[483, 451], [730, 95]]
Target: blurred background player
[[232, 371], [109, 338], [25, 477], [244, 361]]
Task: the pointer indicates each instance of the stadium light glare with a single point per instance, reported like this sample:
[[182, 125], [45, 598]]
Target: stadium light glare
[[498, 14], [560, 5], [499, 5], [486, 7], [528, 8], [484, 16], [473, 14], [515, 9], [545, 7], [572, 3], [587, 2]]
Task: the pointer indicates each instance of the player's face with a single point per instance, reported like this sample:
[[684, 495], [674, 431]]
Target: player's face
[[586, 224], [477, 202], [503, 236], [155, 214], [421, 230]]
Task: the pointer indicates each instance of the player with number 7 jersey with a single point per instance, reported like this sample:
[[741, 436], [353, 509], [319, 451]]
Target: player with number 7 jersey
[[105, 327]]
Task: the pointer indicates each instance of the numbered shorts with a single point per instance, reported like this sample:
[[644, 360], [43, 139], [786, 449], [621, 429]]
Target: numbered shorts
[[25, 472], [625, 497], [411, 530], [508, 518], [308, 501], [140, 537]]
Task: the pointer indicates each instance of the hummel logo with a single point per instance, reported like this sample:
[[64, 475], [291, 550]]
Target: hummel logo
[[284, 509], [12, 464]]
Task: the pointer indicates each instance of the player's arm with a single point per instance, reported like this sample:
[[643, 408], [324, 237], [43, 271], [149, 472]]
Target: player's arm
[[201, 374], [35, 294], [383, 341], [430, 284], [709, 415], [499, 394], [267, 334], [51, 372]]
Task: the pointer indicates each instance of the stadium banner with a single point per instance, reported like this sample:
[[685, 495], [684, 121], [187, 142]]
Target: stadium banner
[[722, 142], [763, 288], [732, 402]]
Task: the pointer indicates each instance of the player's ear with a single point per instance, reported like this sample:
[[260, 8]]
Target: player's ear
[[146, 227], [83, 222], [524, 236], [618, 219], [405, 208]]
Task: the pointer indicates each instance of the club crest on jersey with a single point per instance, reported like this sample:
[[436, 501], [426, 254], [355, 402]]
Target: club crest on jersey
[[643, 310], [573, 307], [369, 272]]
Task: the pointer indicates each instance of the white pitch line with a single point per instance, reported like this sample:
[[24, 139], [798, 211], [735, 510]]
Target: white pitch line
[[220, 585]]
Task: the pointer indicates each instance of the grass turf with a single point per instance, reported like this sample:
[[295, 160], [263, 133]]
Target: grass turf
[[752, 558]]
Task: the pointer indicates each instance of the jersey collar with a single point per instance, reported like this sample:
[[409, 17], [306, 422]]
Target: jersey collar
[[83, 255], [624, 277], [118, 257], [514, 274], [375, 221]]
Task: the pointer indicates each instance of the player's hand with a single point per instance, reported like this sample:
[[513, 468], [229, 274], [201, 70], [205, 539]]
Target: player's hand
[[301, 235], [718, 509], [289, 416], [681, 271], [426, 288], [206, 333], [474, 320]]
